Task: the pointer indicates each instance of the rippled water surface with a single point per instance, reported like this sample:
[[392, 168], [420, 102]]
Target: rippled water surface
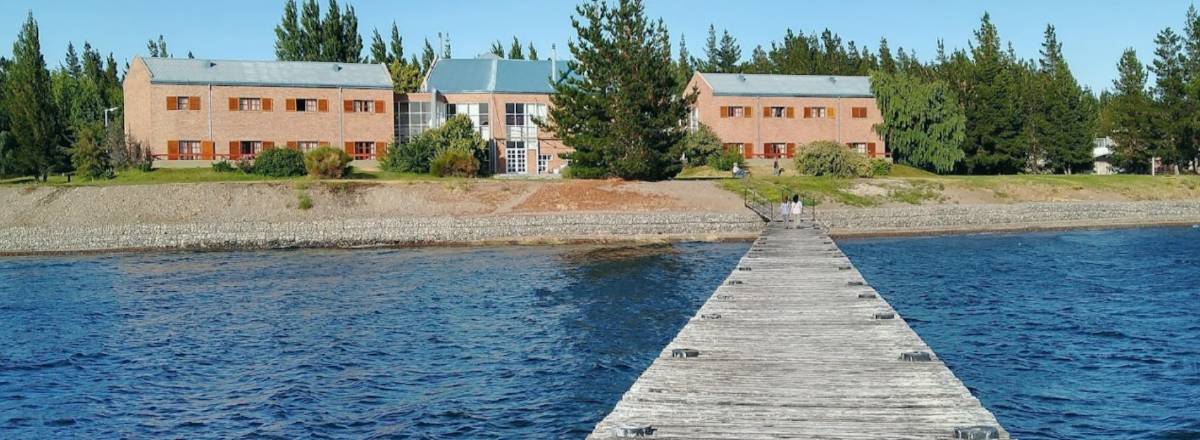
[[442, 343], [1069, 335]]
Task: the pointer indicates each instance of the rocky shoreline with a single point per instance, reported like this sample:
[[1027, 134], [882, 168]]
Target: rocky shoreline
[[398, 232], [947, 219]]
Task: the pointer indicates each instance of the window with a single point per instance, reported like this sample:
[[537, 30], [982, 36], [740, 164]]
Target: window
[[733, 146], [306, 105], [249, 104], [519, 120], [814, 112], [363, 106], [307, 146], [251, 148], [182, 102], [514, 157], [735, 112], [858, 112], [543, 163], [477, 113], [364, 150], [860, 147], [776, 112], [412, 119], [694, 119], [189, 150], [774, 150]]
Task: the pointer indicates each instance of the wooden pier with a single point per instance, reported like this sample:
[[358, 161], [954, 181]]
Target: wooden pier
[[796, 344]]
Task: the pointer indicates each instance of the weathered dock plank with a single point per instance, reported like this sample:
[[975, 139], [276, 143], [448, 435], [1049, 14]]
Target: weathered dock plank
[[795, 344]]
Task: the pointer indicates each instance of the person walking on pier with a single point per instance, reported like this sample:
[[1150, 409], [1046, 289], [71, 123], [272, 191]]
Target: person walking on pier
[[797, 209], [785, 210]]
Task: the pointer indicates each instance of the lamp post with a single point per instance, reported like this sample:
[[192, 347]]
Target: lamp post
[[106, 112]]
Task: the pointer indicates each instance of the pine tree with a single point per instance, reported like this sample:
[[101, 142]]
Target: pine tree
[[397, 44], [994, 129], [887, 64], [621, 113], [516, 52], [532, 52], [683, 66], [1169, 97], [1129, 116], [352, 44], [759, 61], [287, 35], [379, 52], [427, 57], [333, 41], [33, 119], [1064, 125], [71, 63], [311, 36], [498, 49]]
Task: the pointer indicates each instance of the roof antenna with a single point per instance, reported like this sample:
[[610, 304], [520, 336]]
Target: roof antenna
[[553, 62]]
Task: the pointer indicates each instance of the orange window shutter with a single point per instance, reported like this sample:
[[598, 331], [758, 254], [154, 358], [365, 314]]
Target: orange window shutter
[[767, 112], [266, 104], [289, 105], [267, 145], [791, 112], [791, 149], [748, 111], [831, 112], [807, 112], [235, 150], [724, 112], [349, 148], [172, 150], [348, 106], [172, 103], [233, 104], [292, 145], [193, 103], [379, 108], [322, 105], [381, 149], [207, 150], [870, 149], [748, 150]]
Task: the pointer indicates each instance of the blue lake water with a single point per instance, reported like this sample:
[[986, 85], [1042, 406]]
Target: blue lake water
[[1063, 335], [517, 342]]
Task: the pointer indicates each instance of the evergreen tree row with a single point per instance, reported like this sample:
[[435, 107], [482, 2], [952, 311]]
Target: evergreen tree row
[[307, 36]]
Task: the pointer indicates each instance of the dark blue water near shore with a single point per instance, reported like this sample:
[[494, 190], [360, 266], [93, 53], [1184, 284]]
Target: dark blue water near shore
[[442, 343], [1064, 335]]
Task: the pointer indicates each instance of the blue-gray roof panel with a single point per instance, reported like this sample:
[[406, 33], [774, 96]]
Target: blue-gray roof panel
[[492, 75], [268, 73], [737, 84]]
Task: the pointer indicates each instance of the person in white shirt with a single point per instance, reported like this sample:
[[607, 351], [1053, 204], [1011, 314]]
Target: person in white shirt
[[785, 210], [797, 209]]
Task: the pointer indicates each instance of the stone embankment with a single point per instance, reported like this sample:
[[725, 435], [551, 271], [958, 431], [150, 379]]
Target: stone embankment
[[925, 219]]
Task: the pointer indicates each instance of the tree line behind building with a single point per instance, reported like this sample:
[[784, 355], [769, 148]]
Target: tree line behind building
[[982, 110]]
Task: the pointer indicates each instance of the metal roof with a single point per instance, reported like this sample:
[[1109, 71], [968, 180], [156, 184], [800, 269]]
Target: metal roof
[[746, 84], [492, 75], [268, 73]]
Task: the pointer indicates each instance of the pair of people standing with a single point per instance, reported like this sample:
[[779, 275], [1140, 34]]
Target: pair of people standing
[[791, 209]]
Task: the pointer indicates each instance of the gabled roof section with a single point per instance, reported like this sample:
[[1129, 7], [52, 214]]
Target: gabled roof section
[[493, 75], [821, 86], [268, 73]]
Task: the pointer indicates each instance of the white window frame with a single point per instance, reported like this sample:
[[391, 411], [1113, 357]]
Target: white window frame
[[255, 148], [189, 150], [307, 146], [310, 105], [250, 104], [363, 106], [516, 156]]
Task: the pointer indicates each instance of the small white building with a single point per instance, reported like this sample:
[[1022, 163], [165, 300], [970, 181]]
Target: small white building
[[1102, 155]]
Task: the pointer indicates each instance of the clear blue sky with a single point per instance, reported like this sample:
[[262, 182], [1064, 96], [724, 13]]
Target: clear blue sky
[[1093, 32]]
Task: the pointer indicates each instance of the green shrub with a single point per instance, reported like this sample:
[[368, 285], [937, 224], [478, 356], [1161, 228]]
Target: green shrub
[[698, 145], [880, 167], [410, 157], [245, 166], [90, 159], [828, 158], [454, 162], [327, 163], [223, 167], [725, 160], [280, 162], [305, 201]]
